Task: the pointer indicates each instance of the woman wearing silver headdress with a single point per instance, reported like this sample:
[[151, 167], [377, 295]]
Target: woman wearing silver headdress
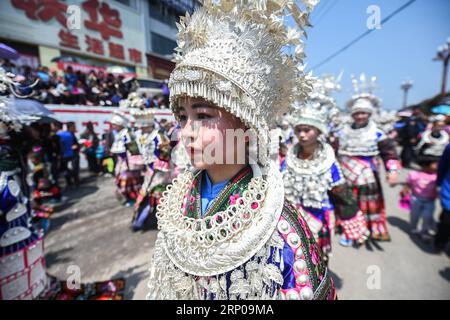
[[433, 141], [360, 145], [128, 167], [22, 264], [313, 177], [226, 231], [153, 147]]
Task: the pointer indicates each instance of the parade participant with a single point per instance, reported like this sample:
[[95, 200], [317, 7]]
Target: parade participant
[[421, 185], [22, 264], [433, 142], [179, 158], [22, 261], [360, 144], [152, 146], [128, 177], [90, 142], [313, 174], [282, 153], [443, 181], [43, 190], [408, 134], [287, 133], [226, 231]]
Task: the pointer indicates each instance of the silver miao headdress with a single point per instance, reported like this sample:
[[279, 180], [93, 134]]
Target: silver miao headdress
[[320, 109], [141, 116], [363, 99], [10, 118], [239, 55]]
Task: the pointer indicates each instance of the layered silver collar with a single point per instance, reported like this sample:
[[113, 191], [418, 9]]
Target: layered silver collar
[[190, 250], [308, 181], [359, 142]]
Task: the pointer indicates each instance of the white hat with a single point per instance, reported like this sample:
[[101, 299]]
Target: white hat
[[119, 120], [362, 104]]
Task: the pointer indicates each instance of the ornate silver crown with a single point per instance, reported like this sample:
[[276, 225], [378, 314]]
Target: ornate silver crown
[[320, 109], [240, 56], [363, 99]]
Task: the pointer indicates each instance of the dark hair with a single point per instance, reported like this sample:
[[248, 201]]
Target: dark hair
[[90, 125], [426, 161], [57, 124]]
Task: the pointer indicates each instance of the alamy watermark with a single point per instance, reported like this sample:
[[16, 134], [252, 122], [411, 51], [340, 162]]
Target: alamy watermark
[[374, 279], [73, 17], [73, 281], [374, 19]]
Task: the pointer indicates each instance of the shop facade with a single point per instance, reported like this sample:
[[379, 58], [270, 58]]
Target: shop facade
[[86, 34]]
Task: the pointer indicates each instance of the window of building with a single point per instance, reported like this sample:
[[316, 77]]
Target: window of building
[[161, 12], [162, 45], [124, 2]]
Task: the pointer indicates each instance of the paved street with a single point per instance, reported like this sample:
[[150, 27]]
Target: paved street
[[406, 265], [92, 231]]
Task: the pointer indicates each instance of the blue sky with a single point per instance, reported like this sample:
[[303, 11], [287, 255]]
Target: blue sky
[[403, 48]]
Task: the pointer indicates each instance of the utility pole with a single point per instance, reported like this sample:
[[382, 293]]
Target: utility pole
[[443, 54], [405, 86]]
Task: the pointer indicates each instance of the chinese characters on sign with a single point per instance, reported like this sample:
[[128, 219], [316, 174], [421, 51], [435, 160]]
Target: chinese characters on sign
[[68, 40], [43, 10], [102, 19], [110, 24]]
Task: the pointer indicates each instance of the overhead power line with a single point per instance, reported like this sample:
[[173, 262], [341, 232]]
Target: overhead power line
[[351, 43], [320, 17]]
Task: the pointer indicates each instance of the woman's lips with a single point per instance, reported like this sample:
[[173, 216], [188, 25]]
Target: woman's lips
[[192, 151]]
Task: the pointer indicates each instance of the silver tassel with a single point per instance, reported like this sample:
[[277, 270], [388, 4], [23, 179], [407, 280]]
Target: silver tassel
[[282, 263]]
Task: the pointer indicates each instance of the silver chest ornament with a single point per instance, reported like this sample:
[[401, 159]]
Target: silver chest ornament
[[308, 181], [359, 142]]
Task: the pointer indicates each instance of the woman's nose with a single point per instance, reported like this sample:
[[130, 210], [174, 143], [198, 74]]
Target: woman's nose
[[189, 132]]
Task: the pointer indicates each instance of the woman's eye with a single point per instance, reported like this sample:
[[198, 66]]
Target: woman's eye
[[203, 116]]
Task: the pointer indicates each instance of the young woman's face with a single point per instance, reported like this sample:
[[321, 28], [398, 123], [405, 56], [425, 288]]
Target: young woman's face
[[205, 133], [307, 135], [361, 118]]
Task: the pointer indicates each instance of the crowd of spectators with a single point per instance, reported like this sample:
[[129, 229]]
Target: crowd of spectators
[[77, 88]]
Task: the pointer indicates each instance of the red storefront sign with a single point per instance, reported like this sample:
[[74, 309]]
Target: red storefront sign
[[94, 45], [43, 10], [103, 20], [68, 40]]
